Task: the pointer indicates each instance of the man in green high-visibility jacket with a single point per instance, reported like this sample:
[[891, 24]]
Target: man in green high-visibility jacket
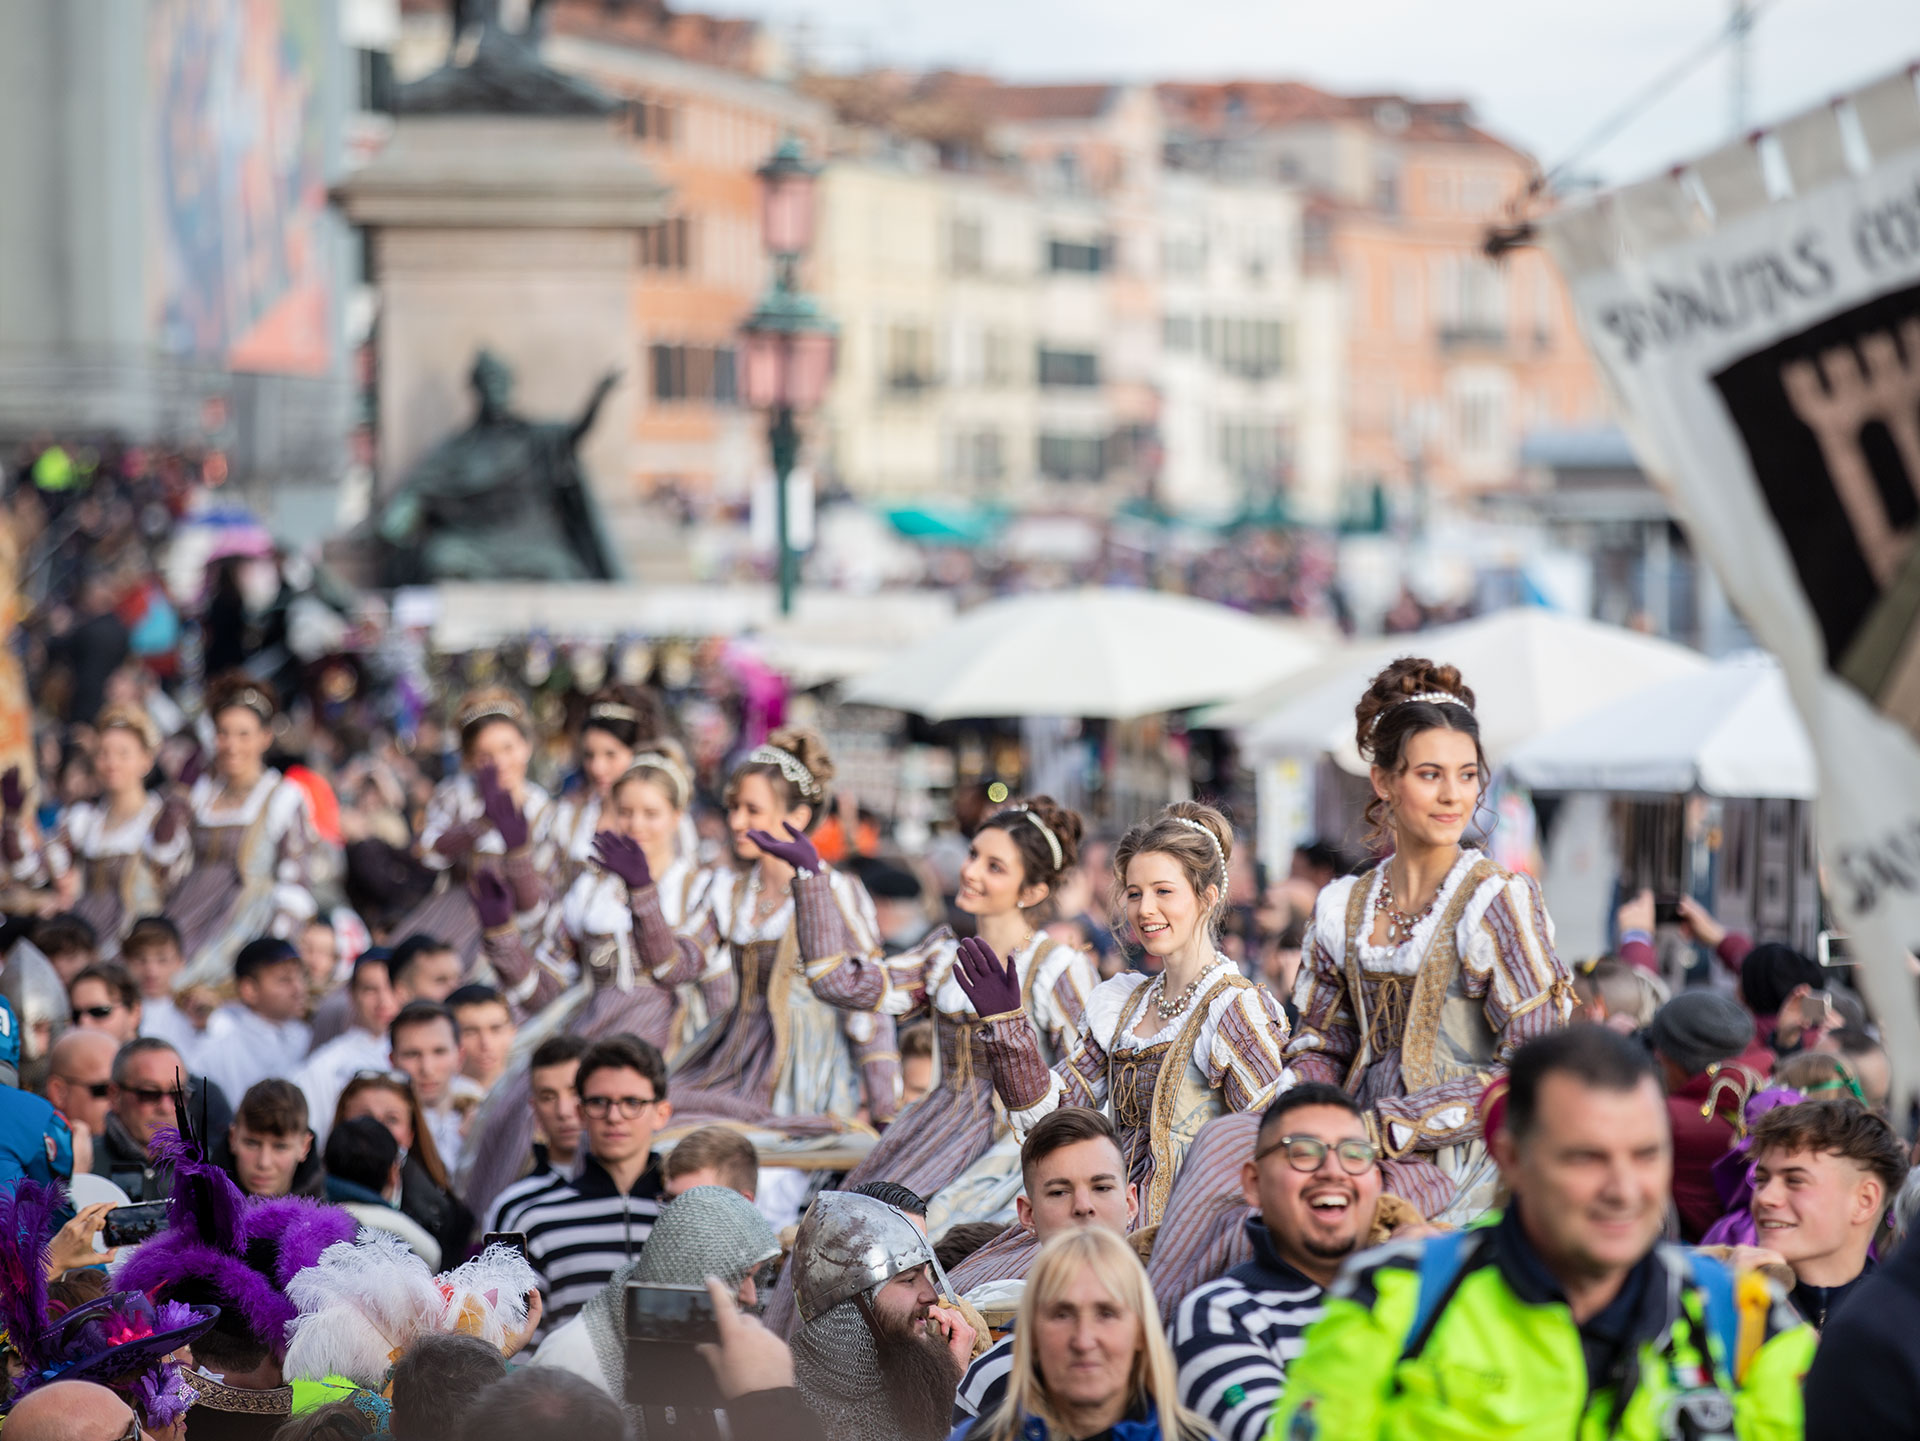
[[1567, 1317]]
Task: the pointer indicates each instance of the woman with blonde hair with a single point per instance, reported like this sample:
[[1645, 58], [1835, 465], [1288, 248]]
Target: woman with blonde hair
[[1089, 1352]]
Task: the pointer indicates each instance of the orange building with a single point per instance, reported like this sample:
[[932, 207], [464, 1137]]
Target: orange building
[[1451, 358]]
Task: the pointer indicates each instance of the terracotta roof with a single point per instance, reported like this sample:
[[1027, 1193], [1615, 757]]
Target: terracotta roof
[[1046, 102], [1255, 104]]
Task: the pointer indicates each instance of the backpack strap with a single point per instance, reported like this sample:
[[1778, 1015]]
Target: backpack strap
[[1444, 1260]]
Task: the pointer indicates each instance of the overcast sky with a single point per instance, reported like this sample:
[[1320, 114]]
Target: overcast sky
[[1541, 72]]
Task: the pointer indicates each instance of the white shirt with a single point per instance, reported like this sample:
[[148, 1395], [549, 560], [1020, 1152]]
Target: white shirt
[[328, 1069], [161, 1018], [242, 1047], [447, 1122], [570, 1348]]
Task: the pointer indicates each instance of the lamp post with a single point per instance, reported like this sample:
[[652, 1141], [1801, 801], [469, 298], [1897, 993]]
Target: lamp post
[[787, 342]]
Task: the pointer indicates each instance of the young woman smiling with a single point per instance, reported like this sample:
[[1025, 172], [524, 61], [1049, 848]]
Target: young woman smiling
[[1419, 980], [1015, 861], [622, 722], [252, 833], [1166, 1053]]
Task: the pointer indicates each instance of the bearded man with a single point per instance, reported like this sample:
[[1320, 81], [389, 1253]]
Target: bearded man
[[877, 1356]]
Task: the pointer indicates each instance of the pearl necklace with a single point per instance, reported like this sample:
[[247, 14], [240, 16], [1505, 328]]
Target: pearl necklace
[[1400, 925], [1169, 1009]]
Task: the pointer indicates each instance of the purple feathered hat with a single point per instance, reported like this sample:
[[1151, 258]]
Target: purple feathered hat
[[237, 1252], [121, 1340]]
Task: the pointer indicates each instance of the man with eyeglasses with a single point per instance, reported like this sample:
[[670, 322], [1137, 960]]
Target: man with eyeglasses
[[580, 1233], [1315, 1179], [146, 1073]]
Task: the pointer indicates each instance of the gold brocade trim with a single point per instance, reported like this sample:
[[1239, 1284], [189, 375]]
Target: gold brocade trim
[[1562, 986], [1003, 1016], [779, 989], [1356, 985], [818, 970], [965, 1028]]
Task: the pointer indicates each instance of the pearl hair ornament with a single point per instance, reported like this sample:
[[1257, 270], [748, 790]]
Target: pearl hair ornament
[[790, 766], [1053, 841], [1431, 697], [613, 710], [667, 766], [1218, 850]]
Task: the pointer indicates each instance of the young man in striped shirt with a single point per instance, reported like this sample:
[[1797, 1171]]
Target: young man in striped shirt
[[1316, 1180], [556, 1121], [580, 1233]]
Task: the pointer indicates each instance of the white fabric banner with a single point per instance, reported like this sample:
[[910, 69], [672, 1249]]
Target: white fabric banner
[[1758, 318]]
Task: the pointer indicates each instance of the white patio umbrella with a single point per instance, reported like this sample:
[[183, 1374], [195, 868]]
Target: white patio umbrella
[[1090, 652], [1730, 730], [1531, 672]]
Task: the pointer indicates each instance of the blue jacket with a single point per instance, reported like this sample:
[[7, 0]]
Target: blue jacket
[[35, 1141]]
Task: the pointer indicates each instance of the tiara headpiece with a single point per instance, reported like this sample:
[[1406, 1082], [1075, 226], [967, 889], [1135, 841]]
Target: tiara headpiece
[[486, 711], [1053, 841], [790, 766], [669, 767], [1431, 697], [253, 700], [613, 710], [1218, 850]]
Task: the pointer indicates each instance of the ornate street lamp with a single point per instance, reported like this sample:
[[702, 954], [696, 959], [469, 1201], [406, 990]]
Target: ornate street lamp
[[787, 343]]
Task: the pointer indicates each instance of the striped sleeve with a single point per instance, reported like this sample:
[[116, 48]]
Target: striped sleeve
[[1245, 1047], [1327, 1040], [1232, 1346], [985, 1385]]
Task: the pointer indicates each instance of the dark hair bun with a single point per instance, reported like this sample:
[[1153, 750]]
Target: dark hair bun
[[1407, 677]]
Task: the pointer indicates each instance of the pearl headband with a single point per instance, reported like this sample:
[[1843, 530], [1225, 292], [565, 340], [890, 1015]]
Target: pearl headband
[[493, 710], [253, 700], [1431, 697], [613, 710], [790, 766], [1206, 831], [1053, 841], [667, 766]]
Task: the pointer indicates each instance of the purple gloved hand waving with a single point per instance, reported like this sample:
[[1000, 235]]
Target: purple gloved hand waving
[[492, 898], [797, 852], [13, 791], [501, 811], [192, 768], [993, 988], [621, 856]]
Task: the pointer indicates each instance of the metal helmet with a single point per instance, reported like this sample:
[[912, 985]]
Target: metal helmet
[[32, 986], [848, 1245]]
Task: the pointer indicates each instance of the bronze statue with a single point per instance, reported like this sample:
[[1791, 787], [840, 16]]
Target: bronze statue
[[505, 499]]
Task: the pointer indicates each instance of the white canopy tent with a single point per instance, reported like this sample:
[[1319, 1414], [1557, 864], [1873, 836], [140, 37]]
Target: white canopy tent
[[1092, 652], [1730, 730], [1531, 671]]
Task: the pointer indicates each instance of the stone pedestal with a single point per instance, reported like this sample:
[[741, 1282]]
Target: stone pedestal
[[513, 233]]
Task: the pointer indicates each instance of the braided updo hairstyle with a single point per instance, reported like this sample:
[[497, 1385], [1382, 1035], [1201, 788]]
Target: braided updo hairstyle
[[1036, 856], [1387, 719], [1203, 854]]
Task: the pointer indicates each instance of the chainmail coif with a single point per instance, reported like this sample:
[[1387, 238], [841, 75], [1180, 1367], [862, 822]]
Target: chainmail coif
[[707, 1231], [837, 1366]]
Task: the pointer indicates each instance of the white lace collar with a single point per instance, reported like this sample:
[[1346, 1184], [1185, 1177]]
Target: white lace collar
[[1129, 1037], [207, 794], [950, 998], [1405, 958]]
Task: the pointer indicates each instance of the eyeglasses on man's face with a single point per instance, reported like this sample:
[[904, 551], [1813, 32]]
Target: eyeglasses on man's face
[[99, 1090], [1306, 1153], [626, 1107], [148, 1096]]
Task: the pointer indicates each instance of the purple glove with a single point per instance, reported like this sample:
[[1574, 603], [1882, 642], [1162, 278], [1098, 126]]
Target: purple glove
[[172, 816], [621, 856], [492, 898], [993, 988], [798, 852], [193, 767], [13, 794], [502, 813]]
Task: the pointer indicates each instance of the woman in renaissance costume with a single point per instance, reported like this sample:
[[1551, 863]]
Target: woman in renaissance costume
[[1015, 861], [489, 817], [252, 839], [1420, 979], [581, 970], [776, 1051], [111, 859], [622, 721], [1162, 1054]]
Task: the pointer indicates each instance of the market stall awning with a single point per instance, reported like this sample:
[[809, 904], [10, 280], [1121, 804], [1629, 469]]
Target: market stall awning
[[1730, 730], [947, 524], [1088, 652], [1532, 671]]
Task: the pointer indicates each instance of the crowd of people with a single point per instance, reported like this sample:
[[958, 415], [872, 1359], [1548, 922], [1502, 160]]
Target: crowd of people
[[646, 1106]]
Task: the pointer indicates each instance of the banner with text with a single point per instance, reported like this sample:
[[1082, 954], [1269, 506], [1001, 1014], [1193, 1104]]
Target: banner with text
[[1757, 315]]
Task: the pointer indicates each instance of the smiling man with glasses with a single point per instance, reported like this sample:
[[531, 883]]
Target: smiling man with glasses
[[580, 1233], [1315, 1178]]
